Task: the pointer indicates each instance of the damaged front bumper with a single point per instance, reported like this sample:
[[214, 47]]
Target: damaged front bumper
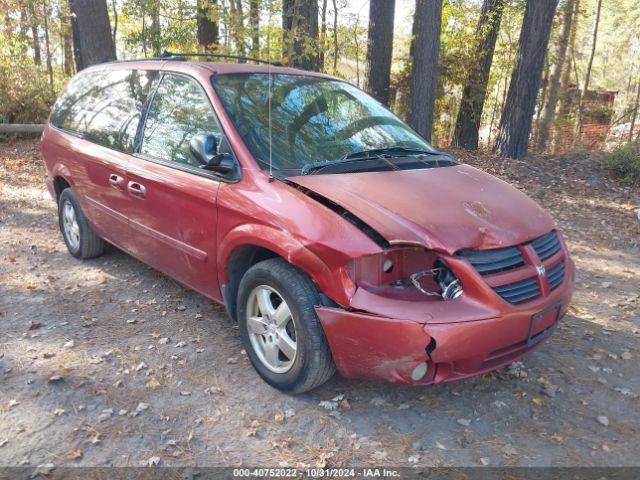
[[417, 347]]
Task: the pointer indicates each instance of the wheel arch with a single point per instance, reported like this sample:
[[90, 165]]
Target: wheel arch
[[247, 245], [61, 179], [59, 184]]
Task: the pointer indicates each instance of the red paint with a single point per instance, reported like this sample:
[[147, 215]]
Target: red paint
[[190, 226]]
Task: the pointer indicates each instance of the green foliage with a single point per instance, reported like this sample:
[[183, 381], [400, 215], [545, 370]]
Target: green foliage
[[625, 160], [25, 93]]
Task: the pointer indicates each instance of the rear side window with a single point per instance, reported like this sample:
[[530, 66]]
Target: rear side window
[[104, 106], [179, 110]]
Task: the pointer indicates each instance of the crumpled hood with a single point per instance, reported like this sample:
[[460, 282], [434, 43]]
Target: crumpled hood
[[445, 209]]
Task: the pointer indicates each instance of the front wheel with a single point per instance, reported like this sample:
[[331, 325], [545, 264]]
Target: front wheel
[[280, 329], [82, 242]]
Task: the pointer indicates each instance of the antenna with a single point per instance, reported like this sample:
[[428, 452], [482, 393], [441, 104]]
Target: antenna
[[269, 93]]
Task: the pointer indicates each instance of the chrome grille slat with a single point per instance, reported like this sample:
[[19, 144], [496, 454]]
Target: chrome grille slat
[[546, 245], [504, 259], [523, 290], [515, 286], [493, 261], [556, 275]]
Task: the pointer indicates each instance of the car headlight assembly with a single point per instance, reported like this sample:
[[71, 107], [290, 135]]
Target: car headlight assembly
[[405, 273]]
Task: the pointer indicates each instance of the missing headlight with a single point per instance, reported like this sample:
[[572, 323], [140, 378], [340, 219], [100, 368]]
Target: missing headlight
[[450, 287]]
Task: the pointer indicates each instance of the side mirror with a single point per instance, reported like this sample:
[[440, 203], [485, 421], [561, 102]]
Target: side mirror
[[205, 149]]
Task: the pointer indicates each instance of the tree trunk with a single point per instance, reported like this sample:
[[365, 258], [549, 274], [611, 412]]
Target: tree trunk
[[300, 33], [208, 30], [556, 72], [543, 88], [92, 38], [475, 91], [515, 124], [323, 35], [114, 34], [237, 26], [564, 100], [156, 30], [287, 19], [587, 75], [47, 43], [254, 21], [24, 24], [380, 48], [335, 36], [424, 77], [635, 112], [37, 56]]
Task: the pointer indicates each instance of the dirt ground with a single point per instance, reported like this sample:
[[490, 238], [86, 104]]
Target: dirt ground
[[108, 362]]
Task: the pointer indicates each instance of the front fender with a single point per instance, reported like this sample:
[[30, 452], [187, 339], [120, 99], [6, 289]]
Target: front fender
[[335, 284]]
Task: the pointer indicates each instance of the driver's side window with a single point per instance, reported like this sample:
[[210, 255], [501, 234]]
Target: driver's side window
[[179, 110]]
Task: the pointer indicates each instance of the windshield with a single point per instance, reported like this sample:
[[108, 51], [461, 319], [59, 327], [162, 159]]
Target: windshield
[[314, 120]]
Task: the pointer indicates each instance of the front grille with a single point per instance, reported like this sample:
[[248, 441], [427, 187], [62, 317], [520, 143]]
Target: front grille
[[493, 261], [555, 275], [519, 292], [498, 260], [546, 245]]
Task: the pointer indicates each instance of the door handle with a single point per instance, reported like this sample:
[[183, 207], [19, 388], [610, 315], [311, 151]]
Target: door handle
[[116, 181], [136, 189]]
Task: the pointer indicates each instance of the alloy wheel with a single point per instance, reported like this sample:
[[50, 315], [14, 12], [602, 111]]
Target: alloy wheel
[[271, 328], [70, 225]]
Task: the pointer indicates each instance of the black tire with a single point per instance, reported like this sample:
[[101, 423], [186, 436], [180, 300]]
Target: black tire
[[313, 364], [90, 244]]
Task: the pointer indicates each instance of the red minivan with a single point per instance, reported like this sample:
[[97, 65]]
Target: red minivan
[[333, 233]]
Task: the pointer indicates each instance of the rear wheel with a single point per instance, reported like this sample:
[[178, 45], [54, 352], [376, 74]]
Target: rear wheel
[[280, 329], [81, 240]]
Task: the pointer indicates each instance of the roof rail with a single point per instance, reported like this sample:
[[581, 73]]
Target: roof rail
[[166, 55]]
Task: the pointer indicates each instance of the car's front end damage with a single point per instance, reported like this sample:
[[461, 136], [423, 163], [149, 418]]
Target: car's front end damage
[[461, 285], [399, 333]]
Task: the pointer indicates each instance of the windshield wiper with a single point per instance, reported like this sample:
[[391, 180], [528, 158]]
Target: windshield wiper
[[315, 166], [375, 153]]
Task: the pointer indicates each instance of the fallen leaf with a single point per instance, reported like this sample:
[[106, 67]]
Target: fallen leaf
[[153, 383], [538, 401], [141, 366], [74, 455], [557, 438]]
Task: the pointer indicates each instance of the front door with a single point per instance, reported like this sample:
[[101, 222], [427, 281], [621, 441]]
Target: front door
[[104, 108], [172, 212]]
